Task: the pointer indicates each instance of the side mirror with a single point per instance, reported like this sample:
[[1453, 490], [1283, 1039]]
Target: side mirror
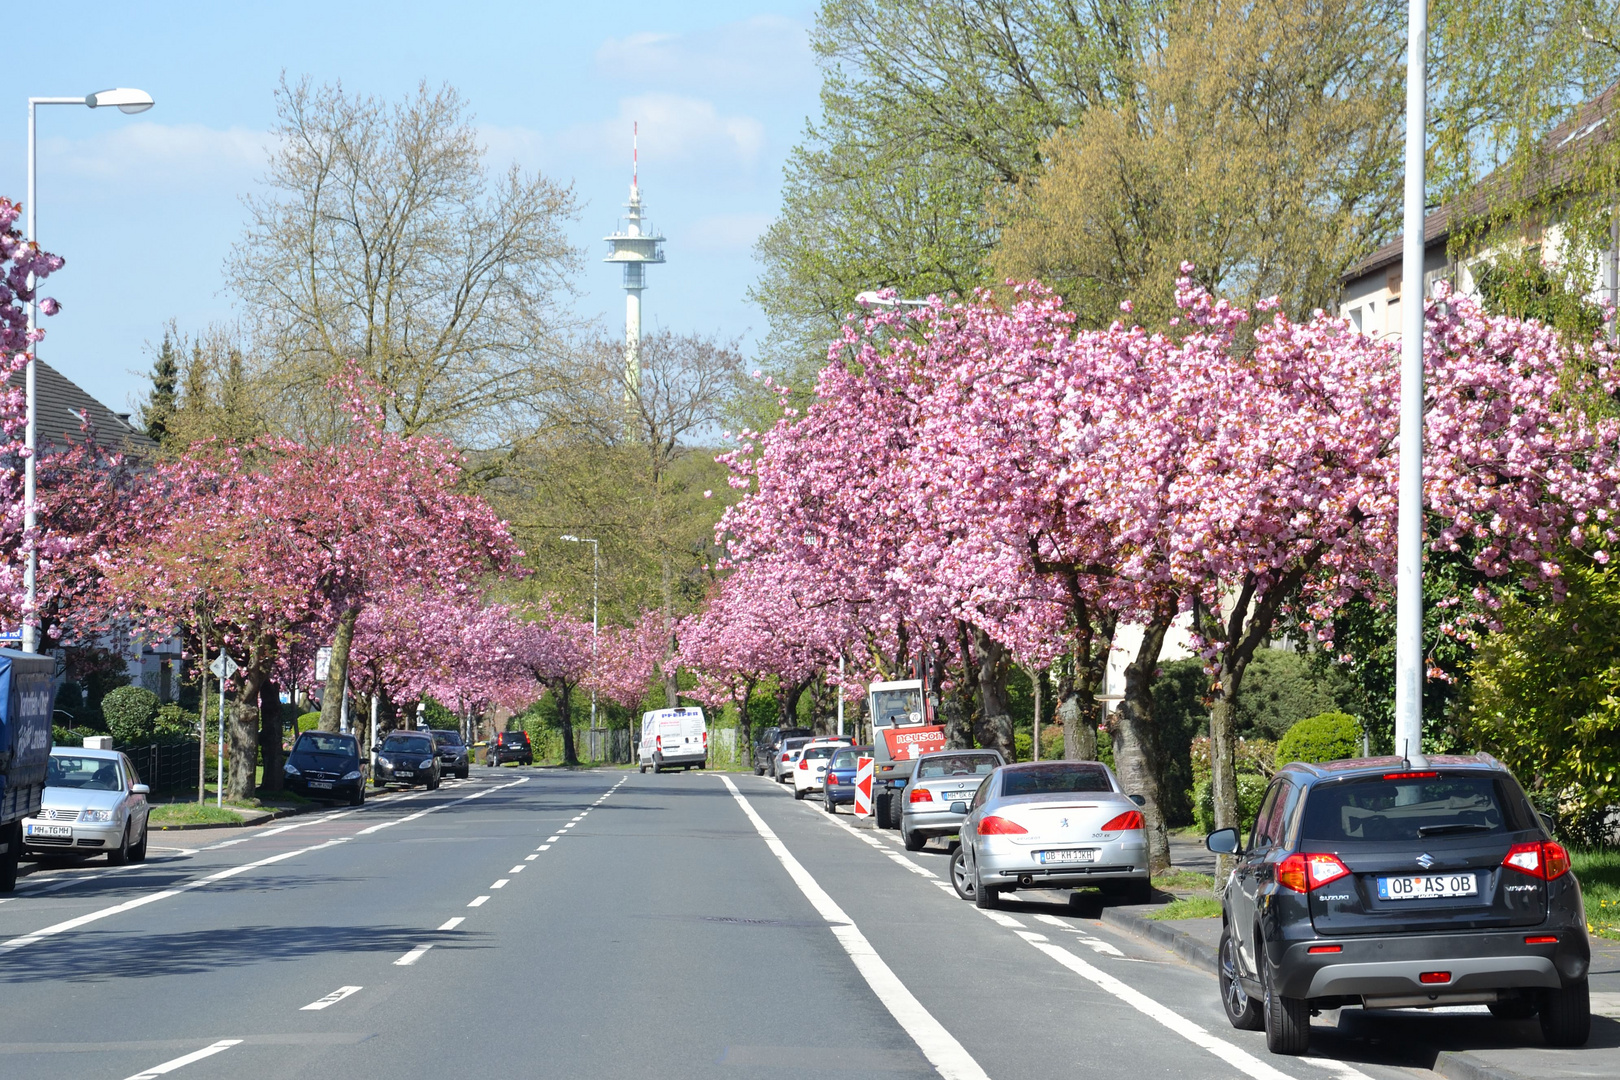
[[1546, 822], [959, 807], [1223, 842], [1139, 800], [140, 789]]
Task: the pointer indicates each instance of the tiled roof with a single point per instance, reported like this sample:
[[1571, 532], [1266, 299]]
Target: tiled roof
[[63, 404]]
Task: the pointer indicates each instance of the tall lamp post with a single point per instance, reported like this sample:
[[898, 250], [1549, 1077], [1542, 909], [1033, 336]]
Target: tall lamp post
[[126, 101], [596, 568]]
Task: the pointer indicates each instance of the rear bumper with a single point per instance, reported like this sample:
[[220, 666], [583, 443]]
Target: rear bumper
[[841, 792], [1001, 862], [1389, 967], [671, 759], [930, 822]]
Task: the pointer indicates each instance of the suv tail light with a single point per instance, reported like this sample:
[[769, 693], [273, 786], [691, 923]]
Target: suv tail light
[[922, 794], [1545, 860], [1000, 826], [1130, 819], [1301, 872]]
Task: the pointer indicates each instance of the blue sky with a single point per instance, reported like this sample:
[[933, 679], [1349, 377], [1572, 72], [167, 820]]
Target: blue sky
[[145, 208]]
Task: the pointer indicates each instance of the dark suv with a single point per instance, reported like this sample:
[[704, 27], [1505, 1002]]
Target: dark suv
[[1391, 884], [511, 746], [769, 746], [452, 752]]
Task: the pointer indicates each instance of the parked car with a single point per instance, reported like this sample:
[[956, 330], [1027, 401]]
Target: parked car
[[325, 765], [511, 746], [769, 745], [1050, 825], [938, 783], [838, 786], [409, 758], [812, 764], [787, 758], [94, 802], [454, 757], [673, 739], [1388, 884]]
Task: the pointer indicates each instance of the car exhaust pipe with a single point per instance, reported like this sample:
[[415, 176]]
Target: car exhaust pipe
[[1026, 879]]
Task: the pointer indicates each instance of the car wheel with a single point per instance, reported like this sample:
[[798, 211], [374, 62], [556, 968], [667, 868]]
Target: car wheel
[[1137, 891], [433, 783], [642, 769], [658, 764], [119, 855], [377, 782], [463, 772], [138, 852], [799, 793], [961, 880], [880, 809], [986, 897], [1566, 1015], [13, 854], [1513, 1009], [758, 771], [1287, 1020], [832, 807], [913, 841], [1241, 1009]]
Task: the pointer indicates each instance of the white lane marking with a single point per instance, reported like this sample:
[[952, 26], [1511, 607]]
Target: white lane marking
[[530, 858], [871, 841], [451, 924], [151, 898], [331, 999], [938, 1045], [580, 818], [1241, 1060], [479, 901], [518, 869], [544, 847], [552, 839], [435, 809], [1344, 1069], [501, 883], [413, 956], [1003, 919], [1092, 943], [181, 1062], [7, 900]]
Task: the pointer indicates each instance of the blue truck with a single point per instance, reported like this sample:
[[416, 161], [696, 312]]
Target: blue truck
[[27, 702]]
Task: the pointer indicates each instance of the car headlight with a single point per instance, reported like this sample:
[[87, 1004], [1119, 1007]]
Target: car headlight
[[384, 762], [355, 775], [96, 815], [290, 769]]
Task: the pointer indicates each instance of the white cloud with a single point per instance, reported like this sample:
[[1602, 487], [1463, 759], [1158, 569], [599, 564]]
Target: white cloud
[[675, 131], [725, 233], [183, 153], [762, 55]]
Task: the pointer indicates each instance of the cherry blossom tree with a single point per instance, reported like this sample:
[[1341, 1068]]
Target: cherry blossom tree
[[555, 652]]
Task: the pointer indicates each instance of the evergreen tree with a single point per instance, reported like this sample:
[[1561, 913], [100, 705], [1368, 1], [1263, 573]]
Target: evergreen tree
[[160, 403]]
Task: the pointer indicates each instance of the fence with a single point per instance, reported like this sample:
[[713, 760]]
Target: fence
[[165, 766], [605, 744]]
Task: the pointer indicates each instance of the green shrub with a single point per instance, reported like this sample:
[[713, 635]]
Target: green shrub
[[1329, 737], [131, 714], [173, 722], [1251, 789], [309, 721], [61, 736]]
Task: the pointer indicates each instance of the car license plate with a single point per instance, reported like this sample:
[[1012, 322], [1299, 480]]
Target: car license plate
[[1424, 886], [958, 796], [1073, 856], [50, 830], [320, 783], [403, 772]]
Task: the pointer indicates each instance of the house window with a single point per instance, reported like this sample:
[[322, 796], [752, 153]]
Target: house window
[[1355, 318]]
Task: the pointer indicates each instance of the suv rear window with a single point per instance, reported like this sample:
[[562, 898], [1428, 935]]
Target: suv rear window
[[1046, 779], [959, 765], [1413, 806]]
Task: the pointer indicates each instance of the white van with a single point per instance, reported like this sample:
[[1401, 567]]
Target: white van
[[671, 738]]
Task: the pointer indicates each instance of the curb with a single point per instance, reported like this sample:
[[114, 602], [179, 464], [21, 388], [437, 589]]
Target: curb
[[1456, 1065]]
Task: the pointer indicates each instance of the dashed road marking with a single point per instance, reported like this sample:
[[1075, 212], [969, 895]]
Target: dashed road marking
[[518, 869], [187, 1059], [501, 883], [451, 924], [331, 999], [413, 956], [530, 858], [479, 901]]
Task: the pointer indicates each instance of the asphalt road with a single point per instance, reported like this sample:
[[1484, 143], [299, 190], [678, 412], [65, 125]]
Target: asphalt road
[[597, 924]]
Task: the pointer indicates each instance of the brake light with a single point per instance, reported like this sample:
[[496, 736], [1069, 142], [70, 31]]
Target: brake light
[[1409, 775], [832, 779], [705, 740], [1291, 873], [805, 764], [1541, 939], [1130, 819], [1000, 826], [1323, 869], [1325, 948], [658, 741], [1434, 977], [784, 757], [1547, 861], [922, 794]]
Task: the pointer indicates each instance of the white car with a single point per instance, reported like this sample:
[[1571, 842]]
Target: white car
[[673, 738], [94, 802], [810, 768], [782, 771]]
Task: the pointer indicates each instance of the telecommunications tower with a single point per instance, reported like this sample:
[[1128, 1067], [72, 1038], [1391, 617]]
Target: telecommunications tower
[[635, 249]]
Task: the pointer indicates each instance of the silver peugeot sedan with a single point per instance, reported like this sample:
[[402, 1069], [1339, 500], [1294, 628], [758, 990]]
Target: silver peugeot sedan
[[1051, 825], [938, 783], [94, 802]]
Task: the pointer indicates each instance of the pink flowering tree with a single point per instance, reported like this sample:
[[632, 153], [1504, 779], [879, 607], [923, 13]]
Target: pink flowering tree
[[627, 660], [554, 651]]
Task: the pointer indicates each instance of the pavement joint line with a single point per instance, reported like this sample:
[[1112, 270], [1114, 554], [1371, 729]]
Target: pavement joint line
[[451, 924], [479, 901], [331, 999], [185, 1059], [500, 883], [937, 1044], [413, 956]]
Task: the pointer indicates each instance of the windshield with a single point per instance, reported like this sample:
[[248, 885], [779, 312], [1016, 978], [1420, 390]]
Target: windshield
[[451, 738], [87, 773], [407, 744], [321, 743], [1415, 807], [1054, 778], [957, 765], [793, 744], [897, 708]]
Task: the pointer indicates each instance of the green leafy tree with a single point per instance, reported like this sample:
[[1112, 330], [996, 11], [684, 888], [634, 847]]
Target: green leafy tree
[[131, 714], [1329, 737]]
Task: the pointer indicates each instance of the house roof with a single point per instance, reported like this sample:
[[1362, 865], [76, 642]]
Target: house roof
[[63, 407], [1561, 145]]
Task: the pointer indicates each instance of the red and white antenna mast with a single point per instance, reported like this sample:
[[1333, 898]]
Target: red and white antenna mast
[[635, 247]]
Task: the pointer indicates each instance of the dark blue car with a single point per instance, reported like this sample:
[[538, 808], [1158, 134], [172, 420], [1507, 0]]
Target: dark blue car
[[839, 785]]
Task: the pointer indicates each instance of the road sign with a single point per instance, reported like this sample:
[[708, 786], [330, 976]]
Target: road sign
[[863, 787], [323, 662], [913, 742], [223, 667]]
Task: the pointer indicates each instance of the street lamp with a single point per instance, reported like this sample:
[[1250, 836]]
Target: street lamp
[[873, 298], [124, 100], [596, 566]]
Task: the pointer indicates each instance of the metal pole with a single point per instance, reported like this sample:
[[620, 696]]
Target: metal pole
[[1035, 735], [202, 729], [30, 633], [840, 695], [219, 793], [596, 567], [343, 704], [1409, 548]]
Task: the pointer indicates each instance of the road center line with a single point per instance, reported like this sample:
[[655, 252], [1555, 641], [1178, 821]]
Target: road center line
[[331, 999], [479, 901], [451, 924], [530, 858], [543, 847], [500, 883], [181, 1062], [413, 956], [938, 1045], [552, 839], [518, 869]]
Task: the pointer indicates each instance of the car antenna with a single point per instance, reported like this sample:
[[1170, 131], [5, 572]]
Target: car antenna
[[1406, 760]]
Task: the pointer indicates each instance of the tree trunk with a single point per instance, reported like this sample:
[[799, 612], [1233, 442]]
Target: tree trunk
[[565, 717], [995, 727], [240, 781], [788, 704], [1084, 676], [957, 736], [270, 735], [745, 724], [337, 672], [1136, 749]]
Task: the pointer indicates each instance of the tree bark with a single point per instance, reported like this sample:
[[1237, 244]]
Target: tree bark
[[788, 704], [270, 735], [565, 715], [337, 672], [957, 736], [995, 727], [240, 781], [1136, 749], [1083, 678]]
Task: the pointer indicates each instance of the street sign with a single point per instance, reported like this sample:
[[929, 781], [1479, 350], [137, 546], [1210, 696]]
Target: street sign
[[323, 662], [10, 637], [905, 743], [863, 787], [223, 667]]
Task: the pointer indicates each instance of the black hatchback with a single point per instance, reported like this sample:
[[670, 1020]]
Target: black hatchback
[[325, 765], [1391, 884]]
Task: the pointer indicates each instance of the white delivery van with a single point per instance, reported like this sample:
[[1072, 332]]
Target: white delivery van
[[673, 738]]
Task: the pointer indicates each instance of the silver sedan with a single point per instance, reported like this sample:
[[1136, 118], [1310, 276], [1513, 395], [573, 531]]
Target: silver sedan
[[93, 803], [938, 784], [1051, 825]]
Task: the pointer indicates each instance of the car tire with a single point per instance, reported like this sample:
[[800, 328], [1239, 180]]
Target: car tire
[[758, 771], [359, 796], [642, 769], [832, 807], [12, 856], [985, 897], [138, 852], [463, 773], [961, 880], [119, 855], [1287, 1020], [799, 793], [1242, 1010], [1137, 891], [657, 764], [880, 809], [1566, 1015], [913, 841], [432, 784]]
